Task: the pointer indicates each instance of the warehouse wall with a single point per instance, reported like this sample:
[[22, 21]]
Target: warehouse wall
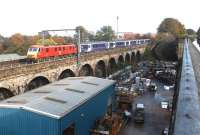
[[85, 116], [21, 122]]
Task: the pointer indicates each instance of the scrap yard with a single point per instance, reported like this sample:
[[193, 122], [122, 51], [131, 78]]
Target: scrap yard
[[144, 101]]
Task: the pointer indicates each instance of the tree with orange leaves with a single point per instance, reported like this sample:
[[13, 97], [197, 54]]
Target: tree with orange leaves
[[17, 40], [32, 40], [59, 40]]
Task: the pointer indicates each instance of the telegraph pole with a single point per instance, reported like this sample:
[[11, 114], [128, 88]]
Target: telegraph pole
[[78, 47], [117, 26], [43, 38]]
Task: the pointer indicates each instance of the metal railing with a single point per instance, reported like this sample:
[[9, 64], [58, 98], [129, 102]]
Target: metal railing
[[187, 113]]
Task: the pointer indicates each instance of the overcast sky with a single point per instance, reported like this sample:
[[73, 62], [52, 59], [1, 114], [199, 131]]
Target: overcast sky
[[139, 16]]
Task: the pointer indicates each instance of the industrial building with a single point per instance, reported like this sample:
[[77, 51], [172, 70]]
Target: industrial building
[[66, 107]]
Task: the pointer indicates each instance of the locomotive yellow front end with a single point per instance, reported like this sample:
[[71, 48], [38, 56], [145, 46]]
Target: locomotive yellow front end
[[32, 53]]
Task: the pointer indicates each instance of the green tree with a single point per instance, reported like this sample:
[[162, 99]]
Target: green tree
[[91, 36], [198, 36], [83, 33], [191, 34], [166, 45], [148, 54], [173, 26], [2, 47], [106, 33]]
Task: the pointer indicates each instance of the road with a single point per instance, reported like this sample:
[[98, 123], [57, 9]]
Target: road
[[156, 118]]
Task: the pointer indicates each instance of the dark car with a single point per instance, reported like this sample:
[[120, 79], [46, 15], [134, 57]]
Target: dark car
[[139, 113]]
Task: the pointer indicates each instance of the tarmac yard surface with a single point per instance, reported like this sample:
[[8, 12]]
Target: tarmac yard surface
[[156, 118]]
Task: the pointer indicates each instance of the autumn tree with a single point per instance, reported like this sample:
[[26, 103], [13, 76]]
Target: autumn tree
[[173, 26], [15, 44], [69, 39], [59, 40], [169, 32], [1, 48], [47, 42], [129, 36], [32, 40], [17, 39], [137, 36]]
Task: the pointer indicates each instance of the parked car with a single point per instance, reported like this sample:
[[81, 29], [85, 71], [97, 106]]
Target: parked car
[[164, 104], [139, 113], [165, 131]]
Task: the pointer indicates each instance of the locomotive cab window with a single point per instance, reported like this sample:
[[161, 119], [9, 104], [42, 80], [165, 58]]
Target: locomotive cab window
[[33, 49]]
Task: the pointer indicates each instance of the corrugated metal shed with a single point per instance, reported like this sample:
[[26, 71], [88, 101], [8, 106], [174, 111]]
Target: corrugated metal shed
[[59, 98], [54, 108], [10, 57]]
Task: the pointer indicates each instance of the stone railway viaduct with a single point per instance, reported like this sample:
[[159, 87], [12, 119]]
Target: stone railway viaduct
[[18, 80]]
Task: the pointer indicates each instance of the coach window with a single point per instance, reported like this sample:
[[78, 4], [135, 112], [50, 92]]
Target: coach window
[[38, 49], [59, 48], [55, 49], [63, 48], [47, 49]]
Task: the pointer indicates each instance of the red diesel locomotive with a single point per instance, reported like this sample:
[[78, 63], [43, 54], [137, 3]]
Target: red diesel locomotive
[[42, 52]]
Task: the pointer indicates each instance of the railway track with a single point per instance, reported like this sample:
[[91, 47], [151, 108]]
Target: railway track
[[15, 68]]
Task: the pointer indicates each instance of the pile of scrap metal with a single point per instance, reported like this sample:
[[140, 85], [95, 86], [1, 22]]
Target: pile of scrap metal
[[108, 125], [152, 87], [124, 99], [167, 76]]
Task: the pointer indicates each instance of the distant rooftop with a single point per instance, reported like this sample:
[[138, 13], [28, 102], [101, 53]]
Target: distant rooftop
[[10, 57], [59, 98]]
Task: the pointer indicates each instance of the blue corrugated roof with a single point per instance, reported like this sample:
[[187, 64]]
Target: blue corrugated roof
[[59, 98]]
